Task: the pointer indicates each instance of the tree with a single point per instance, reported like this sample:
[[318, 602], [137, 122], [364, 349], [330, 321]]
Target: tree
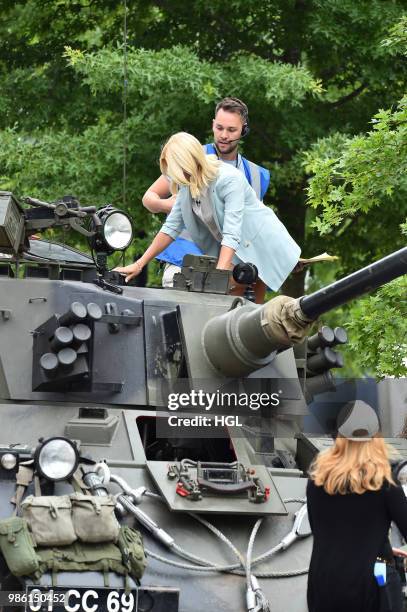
[[312, 72], [361, 178]]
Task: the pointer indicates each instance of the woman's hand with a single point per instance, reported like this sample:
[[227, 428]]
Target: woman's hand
[[399, 552], [129, 271], [225, 258], [160, 242]]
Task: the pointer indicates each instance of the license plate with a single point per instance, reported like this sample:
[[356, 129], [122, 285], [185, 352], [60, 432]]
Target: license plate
[[83, 599]]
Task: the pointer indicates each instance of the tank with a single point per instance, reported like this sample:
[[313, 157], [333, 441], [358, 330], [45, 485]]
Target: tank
[[187, 404]]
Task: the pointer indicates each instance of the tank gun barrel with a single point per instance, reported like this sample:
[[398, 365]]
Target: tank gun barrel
[[356, 284], [243, 340]]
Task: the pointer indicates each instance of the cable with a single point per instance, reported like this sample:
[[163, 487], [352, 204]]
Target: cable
[[243, 568], [195, 568], [250, 551], [204, 565], [221, 536], [223, 569], [255, 599]]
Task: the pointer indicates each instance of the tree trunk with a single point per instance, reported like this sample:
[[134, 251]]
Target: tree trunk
[[291, 202], [291, 208]]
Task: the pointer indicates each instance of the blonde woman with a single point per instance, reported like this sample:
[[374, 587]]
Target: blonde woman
[[352, 500], [221, 212]]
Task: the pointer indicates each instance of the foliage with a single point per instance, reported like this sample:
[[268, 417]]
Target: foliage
[[364, 177], [176, 69], [368, 171], [313, 73], [53, 162], [396, 43], [378, 331]]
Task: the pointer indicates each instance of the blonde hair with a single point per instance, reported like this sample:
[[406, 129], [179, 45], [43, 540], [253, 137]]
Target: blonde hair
[[352, 467], [183, 153]]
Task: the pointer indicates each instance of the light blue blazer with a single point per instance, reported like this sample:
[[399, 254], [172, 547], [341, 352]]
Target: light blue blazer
[[246, 224]]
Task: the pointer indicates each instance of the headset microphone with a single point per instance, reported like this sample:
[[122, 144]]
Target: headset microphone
[[245, 132], [233, 140]]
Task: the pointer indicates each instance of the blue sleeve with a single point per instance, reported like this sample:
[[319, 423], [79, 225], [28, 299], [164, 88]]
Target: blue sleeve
[[264, 181]]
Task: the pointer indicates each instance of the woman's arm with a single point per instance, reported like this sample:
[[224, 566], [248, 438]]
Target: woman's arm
[[174, 223], [160, 242], [156, 198], [231, 190], [169, 231]]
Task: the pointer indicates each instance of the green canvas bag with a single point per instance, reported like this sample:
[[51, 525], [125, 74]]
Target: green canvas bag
[[94, 519], [50, 519], [127, 557], [82, 557], [17, 547], [132, 549]]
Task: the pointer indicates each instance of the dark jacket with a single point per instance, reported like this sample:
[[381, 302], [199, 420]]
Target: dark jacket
[[350, 531]]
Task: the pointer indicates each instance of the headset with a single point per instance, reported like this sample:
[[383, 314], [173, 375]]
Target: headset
[[245, 129], [245, 132]]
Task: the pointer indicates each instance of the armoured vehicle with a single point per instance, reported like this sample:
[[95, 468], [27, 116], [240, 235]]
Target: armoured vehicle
[[186, 404]]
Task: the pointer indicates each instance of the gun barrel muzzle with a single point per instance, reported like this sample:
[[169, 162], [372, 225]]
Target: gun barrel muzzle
[[358, 283]]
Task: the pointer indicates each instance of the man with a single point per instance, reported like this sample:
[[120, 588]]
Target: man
[[229, 126]]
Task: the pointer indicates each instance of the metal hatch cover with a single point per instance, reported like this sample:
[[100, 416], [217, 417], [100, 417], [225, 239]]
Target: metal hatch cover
[[214, 503]]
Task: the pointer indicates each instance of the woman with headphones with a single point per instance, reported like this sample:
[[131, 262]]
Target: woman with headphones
[[223, 215], [352, 500]]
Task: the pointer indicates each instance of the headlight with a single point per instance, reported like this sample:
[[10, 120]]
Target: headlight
[[9, 461], [117, 231], [56, 458], [114, 231]]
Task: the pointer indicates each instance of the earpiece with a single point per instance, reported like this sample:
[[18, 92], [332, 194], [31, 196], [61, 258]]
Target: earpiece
[[245, 130]]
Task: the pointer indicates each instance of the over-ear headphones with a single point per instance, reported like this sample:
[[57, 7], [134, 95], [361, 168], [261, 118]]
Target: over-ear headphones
[[245, 130]]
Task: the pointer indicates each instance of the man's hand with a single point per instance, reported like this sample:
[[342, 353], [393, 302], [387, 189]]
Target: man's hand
[[399, 552]]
